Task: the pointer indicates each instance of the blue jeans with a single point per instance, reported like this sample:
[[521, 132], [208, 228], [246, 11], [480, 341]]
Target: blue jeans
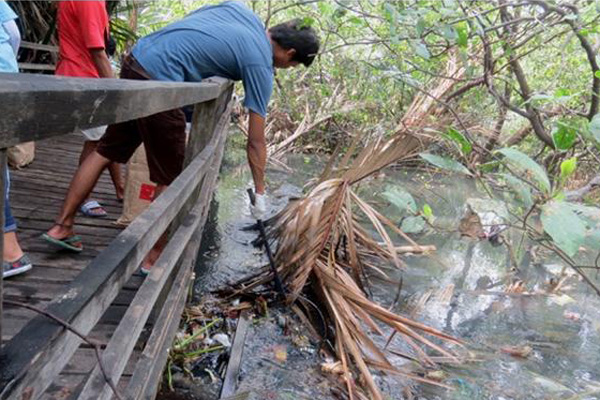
[[10, 225]]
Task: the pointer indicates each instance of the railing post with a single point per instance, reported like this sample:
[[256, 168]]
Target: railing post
[[3, 170], [204, 122]]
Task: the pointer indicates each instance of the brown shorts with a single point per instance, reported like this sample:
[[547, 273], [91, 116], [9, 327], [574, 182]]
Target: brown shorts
[[163, 135]]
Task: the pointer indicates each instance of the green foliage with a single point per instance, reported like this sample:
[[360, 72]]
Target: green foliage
[[445, 163], [462, 34], [594, 127], [401, 199], [414, 224], [428, 212], [457, 138], [570, 231], [523, 192], [567, 168], [564, 136], [523, 164]]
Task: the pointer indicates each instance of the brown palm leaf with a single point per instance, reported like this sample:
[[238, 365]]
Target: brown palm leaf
[[320, 241]]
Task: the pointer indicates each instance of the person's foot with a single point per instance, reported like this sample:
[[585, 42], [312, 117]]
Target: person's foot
[[92, 208], [12, 249], [149, 261], [16, 267], [62, 235], [120, 193]]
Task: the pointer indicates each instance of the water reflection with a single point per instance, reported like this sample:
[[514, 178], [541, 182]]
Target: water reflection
[[462, 289]]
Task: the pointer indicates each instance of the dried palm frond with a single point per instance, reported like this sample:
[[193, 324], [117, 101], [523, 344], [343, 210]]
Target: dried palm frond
[[322, 243]]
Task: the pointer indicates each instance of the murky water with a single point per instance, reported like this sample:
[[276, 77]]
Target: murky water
[[461, 289]]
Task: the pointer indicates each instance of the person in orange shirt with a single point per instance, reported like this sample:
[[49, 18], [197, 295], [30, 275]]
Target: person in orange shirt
[[82, 37]]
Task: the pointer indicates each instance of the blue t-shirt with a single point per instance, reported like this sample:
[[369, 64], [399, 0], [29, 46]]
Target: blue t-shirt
[[226, 40], [8, 61]]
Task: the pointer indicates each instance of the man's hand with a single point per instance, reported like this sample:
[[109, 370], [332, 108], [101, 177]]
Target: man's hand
[[259, 208]]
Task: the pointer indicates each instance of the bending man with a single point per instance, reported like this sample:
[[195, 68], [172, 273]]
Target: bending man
[[226, 40]]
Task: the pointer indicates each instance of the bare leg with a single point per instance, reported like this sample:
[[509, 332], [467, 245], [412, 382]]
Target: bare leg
[[117, 179], [81, 185], [12, 250], [89, 146], [160, 244]]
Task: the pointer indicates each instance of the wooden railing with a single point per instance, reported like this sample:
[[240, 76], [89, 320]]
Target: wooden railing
[[35, 47], [37, 107]]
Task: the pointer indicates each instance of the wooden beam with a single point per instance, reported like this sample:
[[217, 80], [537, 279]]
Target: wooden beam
[[38, 46], [37, 67], [32, 359], [121, 345], [235, 358], [43, 106], [148, 370], [145, 380]]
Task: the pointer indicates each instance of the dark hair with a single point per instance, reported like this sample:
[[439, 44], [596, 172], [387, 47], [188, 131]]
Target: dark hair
[[298, 36]]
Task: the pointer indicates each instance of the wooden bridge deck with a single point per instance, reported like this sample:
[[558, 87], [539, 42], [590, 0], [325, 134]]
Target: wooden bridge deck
[[36, 195]]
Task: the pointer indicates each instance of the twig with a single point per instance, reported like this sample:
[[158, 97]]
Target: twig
[[70, 328]]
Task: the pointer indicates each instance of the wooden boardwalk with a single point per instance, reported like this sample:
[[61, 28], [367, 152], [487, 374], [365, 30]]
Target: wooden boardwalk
[[36, 196], [100, 291]]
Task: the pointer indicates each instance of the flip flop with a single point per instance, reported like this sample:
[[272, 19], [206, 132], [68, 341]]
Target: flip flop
[[87, 207], [66, 243]]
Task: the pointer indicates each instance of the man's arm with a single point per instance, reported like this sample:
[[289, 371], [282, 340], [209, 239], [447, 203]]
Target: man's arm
[[257, 150], [102, 63]]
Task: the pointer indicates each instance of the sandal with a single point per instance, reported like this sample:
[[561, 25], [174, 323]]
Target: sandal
[[72, 242], [93, 209]]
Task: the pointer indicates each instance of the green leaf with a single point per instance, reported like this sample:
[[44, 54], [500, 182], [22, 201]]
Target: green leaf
[[445, 163], [307, 22], [463, 144], [449, 32], [591, 218], [594, 127], [421, 49], [522, 191], [564, 136], [564, 226], [567, 168], [413, 224], [355, 20], [462, 35], [523, 164], [489, 166], [420, 27], [401, 199], [427, 212]]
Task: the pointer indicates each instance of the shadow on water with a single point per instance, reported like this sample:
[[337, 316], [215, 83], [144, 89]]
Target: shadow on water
[[462, 289]]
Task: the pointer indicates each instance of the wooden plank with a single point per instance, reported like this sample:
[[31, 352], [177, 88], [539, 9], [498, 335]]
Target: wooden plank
[[120, 347], [36, 102], [37, 67], [38, 46], [152, 360], [68, 385], [145, 380], [235, 358], [30, 361]]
